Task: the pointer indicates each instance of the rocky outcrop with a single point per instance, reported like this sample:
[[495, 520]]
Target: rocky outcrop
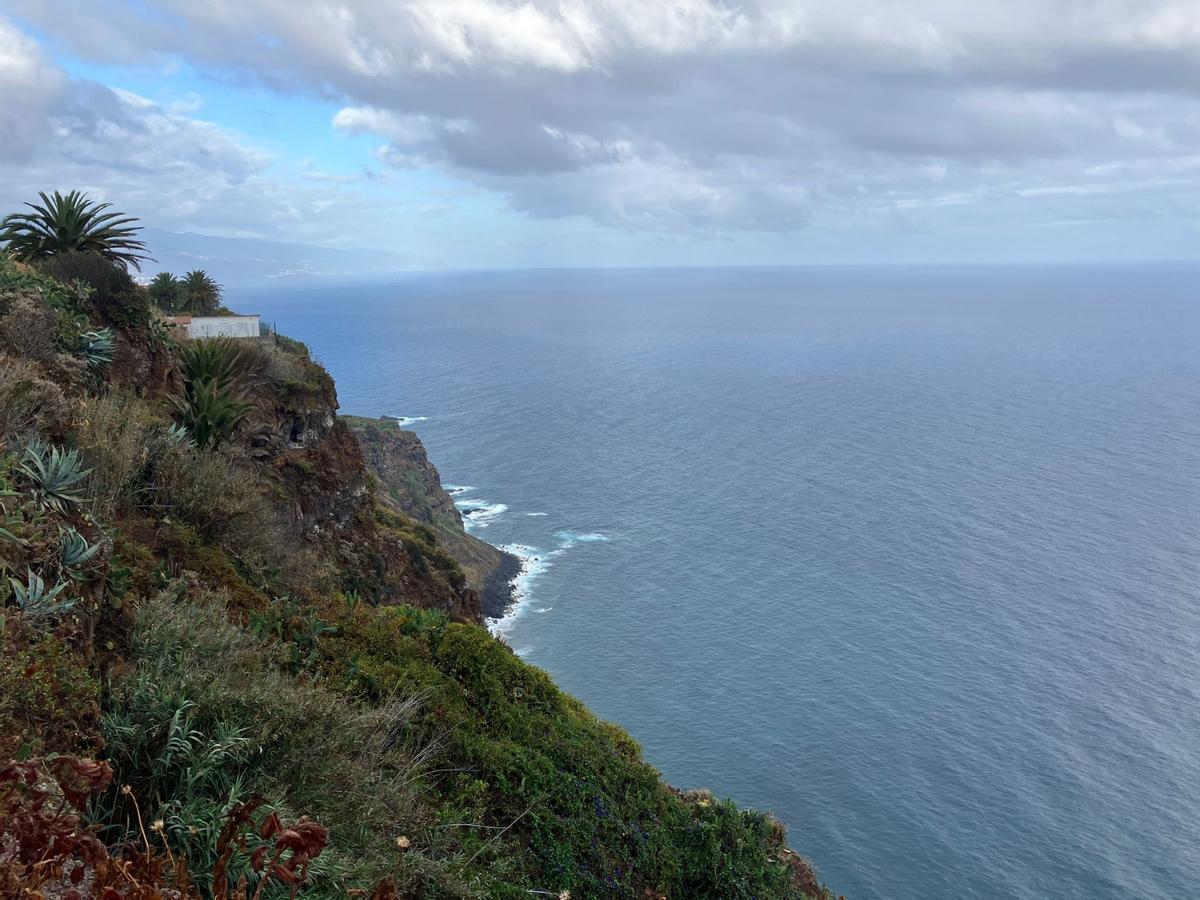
[[411, 483], [325, 499]]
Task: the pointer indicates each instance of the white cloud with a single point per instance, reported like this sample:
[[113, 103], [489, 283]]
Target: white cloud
[[704, 115], [29, 85]]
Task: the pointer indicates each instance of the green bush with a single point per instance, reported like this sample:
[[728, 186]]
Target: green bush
[[579, 809], [16, 280], [205, 489], [102, 277], [110, 290], [207, 717], [118, 436], [29, 404], [48, 699]]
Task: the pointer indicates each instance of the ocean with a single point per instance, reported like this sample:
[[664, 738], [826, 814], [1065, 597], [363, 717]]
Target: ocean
[[909, 557]]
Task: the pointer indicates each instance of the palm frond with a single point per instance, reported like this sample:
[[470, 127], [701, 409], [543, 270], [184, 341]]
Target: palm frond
[[72, 222]]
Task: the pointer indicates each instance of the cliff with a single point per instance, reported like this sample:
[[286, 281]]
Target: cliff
[[241, 633], [411, 485]]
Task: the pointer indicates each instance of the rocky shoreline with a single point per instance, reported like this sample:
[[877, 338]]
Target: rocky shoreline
[[411, 483], [499, 589]]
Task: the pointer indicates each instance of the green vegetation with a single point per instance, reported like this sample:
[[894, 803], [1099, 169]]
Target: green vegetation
[[52, 473], [195, 294], [212, 405], [201, 592], [201, 295], [164, 289], [60, 224]]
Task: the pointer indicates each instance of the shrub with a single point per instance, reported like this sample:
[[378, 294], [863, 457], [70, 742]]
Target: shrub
[[117, 436], [48, 699], [102, 278], [206, 719], [579, 809], [204, 489], [30, 330], [50, 852], [29, 404], [15, 279], [110, 290]]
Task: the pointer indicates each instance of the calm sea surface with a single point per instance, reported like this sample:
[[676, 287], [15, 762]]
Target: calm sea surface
[[911, 557]]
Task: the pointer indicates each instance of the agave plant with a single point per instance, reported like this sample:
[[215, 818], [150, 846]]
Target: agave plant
[[8, 520], [96, 347], [52, 471], [72, 222], [178, 435], [34, 599], [73, 548]]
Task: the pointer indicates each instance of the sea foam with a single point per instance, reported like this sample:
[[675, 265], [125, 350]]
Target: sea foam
[[534, 563]]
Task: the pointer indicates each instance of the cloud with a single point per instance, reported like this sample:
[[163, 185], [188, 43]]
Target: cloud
[[158, 162], [705, 116], [29, 85]]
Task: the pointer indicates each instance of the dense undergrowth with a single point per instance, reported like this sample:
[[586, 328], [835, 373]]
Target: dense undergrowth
[[201, 592]]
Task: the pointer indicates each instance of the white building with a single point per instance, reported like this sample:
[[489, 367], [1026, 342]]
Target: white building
[[219, 326]]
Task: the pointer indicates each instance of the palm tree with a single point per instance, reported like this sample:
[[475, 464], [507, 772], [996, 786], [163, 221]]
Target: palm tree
[[72, 223], [165, 290], [200, 294]]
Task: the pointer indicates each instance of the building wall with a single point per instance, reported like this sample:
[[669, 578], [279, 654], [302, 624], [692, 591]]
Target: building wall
[[223, 326]]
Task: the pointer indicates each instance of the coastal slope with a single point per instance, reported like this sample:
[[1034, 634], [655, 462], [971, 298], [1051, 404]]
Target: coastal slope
[[250, 660]]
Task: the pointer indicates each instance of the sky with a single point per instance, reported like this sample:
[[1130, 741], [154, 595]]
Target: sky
[[390, 135]]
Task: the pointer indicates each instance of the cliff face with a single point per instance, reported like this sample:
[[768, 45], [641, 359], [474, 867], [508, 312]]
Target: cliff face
[[327, 497], [411, 484]]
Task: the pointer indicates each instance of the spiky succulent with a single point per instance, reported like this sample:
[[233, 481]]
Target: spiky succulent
[[71, 222], [74, 549], [33, 598], [178, 435], [213, 404], [96, 347], [214, 359], [52, 472], [7, 519]]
